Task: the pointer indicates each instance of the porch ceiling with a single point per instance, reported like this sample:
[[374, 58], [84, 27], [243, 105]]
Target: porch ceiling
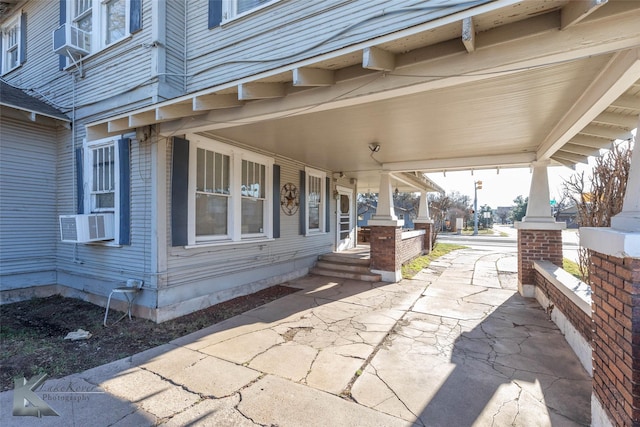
[[500, 85]]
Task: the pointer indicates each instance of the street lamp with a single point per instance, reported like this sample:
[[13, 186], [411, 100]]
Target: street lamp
[[477, 185]]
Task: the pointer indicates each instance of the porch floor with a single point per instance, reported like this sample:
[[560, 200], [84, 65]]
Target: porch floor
[[456, 346], [361, 251]]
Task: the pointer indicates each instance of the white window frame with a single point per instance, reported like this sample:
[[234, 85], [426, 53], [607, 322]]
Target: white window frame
[[99, 25], [310, 172], [234, 213], [14, 25], [230, 9], [89, 205]]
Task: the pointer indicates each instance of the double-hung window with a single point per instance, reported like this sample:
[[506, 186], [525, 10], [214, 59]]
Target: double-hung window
[[104, 179], [102, 22], [231, 195], [212, 194], [315, 200], [13, 36]]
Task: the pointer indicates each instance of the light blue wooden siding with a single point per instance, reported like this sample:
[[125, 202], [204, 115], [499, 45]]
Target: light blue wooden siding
[[192, 273], [97, 268], [28, 224], [290, 31], [175, 50]]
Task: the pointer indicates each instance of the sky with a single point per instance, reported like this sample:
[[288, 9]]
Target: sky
[[499, 189]]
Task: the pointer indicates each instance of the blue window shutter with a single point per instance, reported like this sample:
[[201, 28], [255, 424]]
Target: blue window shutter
[[79, 181], [124, 149], [327, 204], [215, 13], [276, 201], [62, 60], [1, 52], [23, 38], [135, 16], [180, 192], [303, 203]]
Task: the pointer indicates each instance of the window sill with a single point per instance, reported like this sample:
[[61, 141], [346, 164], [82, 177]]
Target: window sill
[[229, 243], [4, 73], [248, 13], [106, 244], [316, 233]]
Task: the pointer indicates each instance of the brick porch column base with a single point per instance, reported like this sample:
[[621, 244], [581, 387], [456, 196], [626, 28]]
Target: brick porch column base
[[614, 275], [385, 256], [615, 285], [427, 226], [542, 242]]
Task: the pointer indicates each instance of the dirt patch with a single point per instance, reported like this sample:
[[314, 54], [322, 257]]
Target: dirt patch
[[32, 333]]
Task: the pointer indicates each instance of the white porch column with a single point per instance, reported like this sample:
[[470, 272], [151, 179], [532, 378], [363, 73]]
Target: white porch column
[[423, 208], [538, 208], [539, 235], [385, 213], [424, 221]]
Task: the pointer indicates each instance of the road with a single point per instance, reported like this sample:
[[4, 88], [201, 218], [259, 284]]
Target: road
[[509, 244]]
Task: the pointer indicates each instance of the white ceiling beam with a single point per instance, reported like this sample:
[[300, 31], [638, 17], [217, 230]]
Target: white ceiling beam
[[118, 125], [567, 163], [247, 91], [580, 149], [142, 119], [605, 132], [469, 34], [507, 55], [620, 120], [462, 163], [215, 102], [97, 132], [590, 141], [576, 158], [374, 58], [617, 76], [628, 102], [313, 77], [576, 10], [411, 180], [174, 111]]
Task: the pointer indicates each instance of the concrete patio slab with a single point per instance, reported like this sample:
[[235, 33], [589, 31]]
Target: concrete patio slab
[[437, 350], [275, 401]]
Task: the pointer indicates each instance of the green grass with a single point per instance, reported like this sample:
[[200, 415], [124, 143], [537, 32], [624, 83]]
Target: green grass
[[571, 267], [481, 231], [413, 267]]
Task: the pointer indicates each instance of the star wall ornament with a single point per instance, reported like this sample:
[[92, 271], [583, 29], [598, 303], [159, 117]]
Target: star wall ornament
[[289, 199]]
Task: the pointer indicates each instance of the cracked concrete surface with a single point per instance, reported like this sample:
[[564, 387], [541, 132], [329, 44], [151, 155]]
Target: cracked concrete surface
[[454, 346]]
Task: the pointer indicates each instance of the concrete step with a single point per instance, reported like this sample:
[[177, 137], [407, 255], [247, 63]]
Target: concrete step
[[346, 259], [341, 266], [365, 277]]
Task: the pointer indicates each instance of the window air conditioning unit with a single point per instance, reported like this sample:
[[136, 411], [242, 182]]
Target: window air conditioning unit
[[71, 41], [86, 228]]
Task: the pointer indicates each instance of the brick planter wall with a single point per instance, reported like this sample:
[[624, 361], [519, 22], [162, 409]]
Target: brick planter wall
[[384, 254], [616, 340], [428, 228], [535, 245], [410, 248], [580, 320]]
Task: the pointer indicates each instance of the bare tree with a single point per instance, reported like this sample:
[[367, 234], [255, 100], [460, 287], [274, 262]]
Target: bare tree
[[439, 206], [599, 196]]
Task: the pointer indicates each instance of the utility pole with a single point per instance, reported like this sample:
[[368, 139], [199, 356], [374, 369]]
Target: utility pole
[[477, 185]]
